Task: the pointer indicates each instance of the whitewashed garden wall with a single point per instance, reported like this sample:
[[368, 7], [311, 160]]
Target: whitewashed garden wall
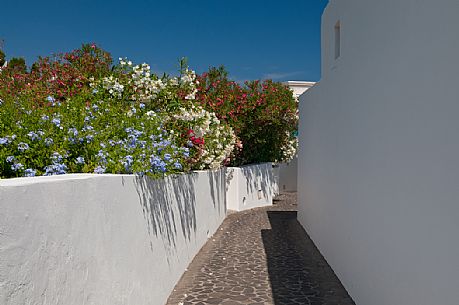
[[288, 174], [251, 186], [103, 239]]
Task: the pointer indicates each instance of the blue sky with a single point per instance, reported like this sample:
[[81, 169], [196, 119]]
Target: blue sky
[[253, 38]]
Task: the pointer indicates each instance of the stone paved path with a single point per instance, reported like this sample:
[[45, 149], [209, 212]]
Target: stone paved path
[[261, 256]]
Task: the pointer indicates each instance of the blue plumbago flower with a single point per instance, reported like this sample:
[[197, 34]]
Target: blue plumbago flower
[[50, 99], [30, 172], [189, 144], [89, 138], [10, 159], [17, 166], [142, 144], [79, 160], [137, 133], [154, 160], [186, 153], [56, 157], [44, 118], [167, 157], [56, 121], [95, 108], [23, 146], [165, 143], [73, 131], [55, 169], [88, 128], [99, 169], [95, 91], [103, 156], [158, 164], [134, 111], [162, 167], [133, 131], [102, 145], [49, 142], [3, 141], [33, 136], [127, 162], [131, 142], [177, 165], [142, 105]]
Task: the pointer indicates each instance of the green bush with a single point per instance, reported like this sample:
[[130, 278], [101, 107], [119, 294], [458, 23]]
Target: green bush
[[123, 119], [263, 115]]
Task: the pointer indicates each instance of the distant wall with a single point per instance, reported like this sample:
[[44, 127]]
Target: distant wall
[[379, 151], [103, 239], [250, 186], [288, 176]]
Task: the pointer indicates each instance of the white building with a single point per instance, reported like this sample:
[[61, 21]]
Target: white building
[[378, 175], [299, 87]]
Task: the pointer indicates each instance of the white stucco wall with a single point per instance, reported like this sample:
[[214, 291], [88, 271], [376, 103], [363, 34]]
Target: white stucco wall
[[103, 239], [288, 174], [379, 151], [250, 186]]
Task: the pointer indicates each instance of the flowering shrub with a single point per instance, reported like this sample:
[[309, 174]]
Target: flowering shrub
[[74, 112], [62, 76], [78, 137], [101, 120], [212, 141], [262, 114], [137, 83]]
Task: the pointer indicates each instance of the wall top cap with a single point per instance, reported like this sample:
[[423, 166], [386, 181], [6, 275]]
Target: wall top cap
[[298, 83]]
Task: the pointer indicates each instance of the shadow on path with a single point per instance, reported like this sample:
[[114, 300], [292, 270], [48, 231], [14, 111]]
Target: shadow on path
[[297, 271]]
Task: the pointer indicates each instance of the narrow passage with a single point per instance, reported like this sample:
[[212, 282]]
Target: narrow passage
[[260, 256]]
